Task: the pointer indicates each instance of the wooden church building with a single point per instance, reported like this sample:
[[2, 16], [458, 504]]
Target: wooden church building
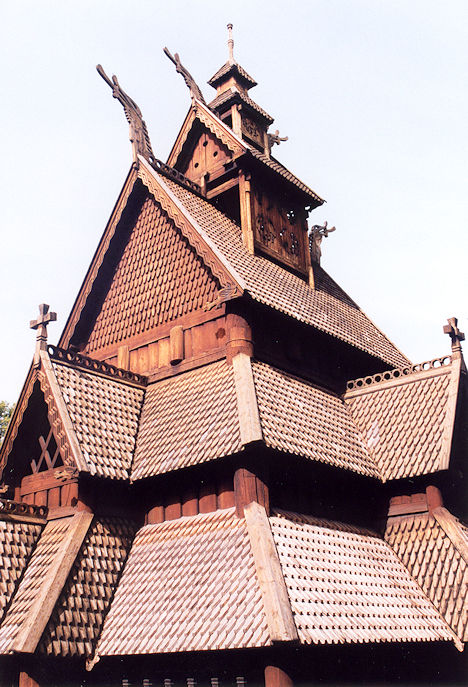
[[225, 474]]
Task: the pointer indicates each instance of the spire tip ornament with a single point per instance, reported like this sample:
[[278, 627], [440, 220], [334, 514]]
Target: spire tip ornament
[[230, 44], [41, 325], [455, 334]]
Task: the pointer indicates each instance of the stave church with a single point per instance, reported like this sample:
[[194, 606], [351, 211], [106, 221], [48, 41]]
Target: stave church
[[225, 474]]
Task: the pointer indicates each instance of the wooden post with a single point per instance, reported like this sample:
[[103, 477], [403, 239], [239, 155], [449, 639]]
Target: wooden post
[[246, 212], [239, 336], [176, 345], [434, 498], [249, 487], [123, 358], [155, 515], [25, 680], [276, 677]]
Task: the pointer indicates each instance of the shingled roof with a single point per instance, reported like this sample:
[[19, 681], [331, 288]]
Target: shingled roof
[[189, 584], [326, 307], [189, 419], [233, 95], [434, 548], [104, 412], [406, 416], [343, 584]]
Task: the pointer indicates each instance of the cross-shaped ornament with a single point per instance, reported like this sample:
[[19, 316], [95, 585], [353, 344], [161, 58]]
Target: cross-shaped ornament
[[455, 334], [41, 325]]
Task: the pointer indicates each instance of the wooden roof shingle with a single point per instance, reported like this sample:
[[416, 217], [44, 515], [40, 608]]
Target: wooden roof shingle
[[347, 585], [436, 560], [188, 585]]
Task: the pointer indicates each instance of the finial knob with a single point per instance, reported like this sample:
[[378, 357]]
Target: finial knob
[[230, 44]]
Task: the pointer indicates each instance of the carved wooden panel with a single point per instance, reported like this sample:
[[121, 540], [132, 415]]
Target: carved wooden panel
[[209, 155], [252, 131], [279, 227]]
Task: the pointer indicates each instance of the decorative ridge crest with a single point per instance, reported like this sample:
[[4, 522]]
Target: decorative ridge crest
[[90, 364], [19, 509], [398, 373], [175, 175]]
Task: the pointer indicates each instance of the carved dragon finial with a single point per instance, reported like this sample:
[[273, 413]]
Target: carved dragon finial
[[230, 44], [195, 92], [139, 137], [316, 234], [275, 138]]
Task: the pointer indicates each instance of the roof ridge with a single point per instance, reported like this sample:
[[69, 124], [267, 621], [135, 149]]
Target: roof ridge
[[398, 373], [93, 365], [325, 523]]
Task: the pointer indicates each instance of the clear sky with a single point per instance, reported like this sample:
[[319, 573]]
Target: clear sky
[[372, 94]]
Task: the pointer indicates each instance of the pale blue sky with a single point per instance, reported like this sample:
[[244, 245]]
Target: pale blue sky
[[373, 97]]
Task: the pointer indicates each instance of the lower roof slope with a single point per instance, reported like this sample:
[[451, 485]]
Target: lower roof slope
[[17, 541], [104, 413], [186, 420], [78, 616], [434, 548], [347, 585], [189, 584]]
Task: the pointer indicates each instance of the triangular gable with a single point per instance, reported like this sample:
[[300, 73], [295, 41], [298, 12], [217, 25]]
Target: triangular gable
[[42, 381], [153, 273], [201, 114]]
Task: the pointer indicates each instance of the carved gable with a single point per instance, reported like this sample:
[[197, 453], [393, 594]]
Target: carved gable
[[159, 278], [208, 155]]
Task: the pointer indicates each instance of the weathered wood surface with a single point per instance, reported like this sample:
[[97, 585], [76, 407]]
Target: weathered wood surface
[[270, 576]]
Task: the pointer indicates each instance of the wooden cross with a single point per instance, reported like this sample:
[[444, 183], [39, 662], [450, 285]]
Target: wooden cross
[[455, 334], [41, 325]]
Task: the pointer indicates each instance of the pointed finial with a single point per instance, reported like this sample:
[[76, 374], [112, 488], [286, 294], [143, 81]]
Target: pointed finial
[[230, 44], [455, 334], [41, 325]]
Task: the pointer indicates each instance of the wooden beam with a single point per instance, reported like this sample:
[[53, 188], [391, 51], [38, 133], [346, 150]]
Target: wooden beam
[[52, 584], [276, 602], [452, 529], [246, 212], [176, 345], [249, 416]]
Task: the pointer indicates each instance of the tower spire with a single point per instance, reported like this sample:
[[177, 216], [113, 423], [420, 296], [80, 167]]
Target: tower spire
[[230, 44]]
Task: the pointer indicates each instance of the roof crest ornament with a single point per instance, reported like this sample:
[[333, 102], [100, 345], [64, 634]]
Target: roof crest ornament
[[139, 137], [316, 234], [195, 92], [455, 334], [41, 325], [230, 45]]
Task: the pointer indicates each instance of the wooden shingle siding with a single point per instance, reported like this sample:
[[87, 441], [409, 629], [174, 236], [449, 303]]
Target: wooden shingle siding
[[159, 278]]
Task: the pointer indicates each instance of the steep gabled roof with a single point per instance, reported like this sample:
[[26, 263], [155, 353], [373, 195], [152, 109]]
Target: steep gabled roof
[[327, 307], [406, 416], [232, 95], [201, 114], [190, 242], [93, 410]]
